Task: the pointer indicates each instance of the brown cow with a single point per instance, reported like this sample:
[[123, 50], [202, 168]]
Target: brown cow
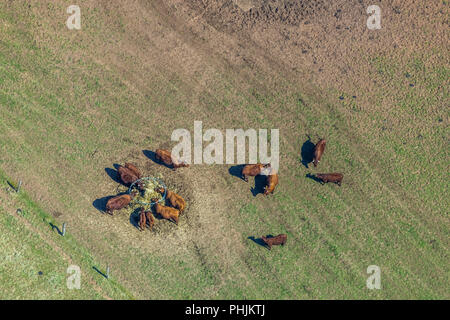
[[119, 202], [253, 170], [174, 199], [126, 175], [169, 160], [133, 169], [279, 239], [330, 177], [318, 151], [272, 181], [167, 212], [142, 220], [150, 219]]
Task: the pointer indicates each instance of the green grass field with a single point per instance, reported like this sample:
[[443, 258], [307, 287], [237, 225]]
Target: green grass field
[[73, 103]]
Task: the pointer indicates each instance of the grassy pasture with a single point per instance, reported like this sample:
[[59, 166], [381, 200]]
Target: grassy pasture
[[72, 104]]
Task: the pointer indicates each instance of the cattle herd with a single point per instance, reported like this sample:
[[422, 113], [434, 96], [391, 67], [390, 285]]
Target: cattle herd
[[129, 174]]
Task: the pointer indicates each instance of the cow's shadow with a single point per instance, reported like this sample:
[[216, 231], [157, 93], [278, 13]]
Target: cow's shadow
[[260, 183], [100, 203], [307, 152], [134, 218], [313, 177], [114, 174], [258, 241], [152, 156], [236, 171]]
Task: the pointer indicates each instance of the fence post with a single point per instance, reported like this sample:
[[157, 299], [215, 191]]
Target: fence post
[[18, 187], [63, 233], [107, 272]]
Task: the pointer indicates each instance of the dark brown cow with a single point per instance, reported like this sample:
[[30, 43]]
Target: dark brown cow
[[126, 175], [142, 220], [318, 151], [133, 169], [252, 170], [330, 177], [169, 160], [174, 199], [168, 213], [274, 241], [119, 202], [272, 181]]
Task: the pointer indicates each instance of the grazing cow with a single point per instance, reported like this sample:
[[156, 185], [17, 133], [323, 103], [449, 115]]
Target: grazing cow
[[142, 220], [169, 160], [174, 199], [150, 219], [133, 169], [119, 202], [318, 151], [167, 212], [330, 177], [126, 175], [272, 181], [253, 170], [279, 239]]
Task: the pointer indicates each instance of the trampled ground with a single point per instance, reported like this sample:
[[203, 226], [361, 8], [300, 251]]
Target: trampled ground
[[75, 102]]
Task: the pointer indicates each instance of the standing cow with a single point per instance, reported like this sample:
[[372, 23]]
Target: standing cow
[[133, 169], [278, 240], [318, 151], [252, 170], [119, 202], [272, 181], [330, 177], [168, 213], [174, 199], [168, 159]]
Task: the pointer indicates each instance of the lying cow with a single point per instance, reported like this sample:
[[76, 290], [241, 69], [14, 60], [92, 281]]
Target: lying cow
[[119, 202], [252, 170], [330, 177], [174, 199], [272, 181], [318, 151], [167, 212], [274, 241], [169, 160]]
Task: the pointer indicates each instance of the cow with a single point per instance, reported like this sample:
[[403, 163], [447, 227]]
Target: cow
[[142, 220], [133, 169], [169, 160], [174, 199], [272, 181], [150, 219], [278, 240], [253, 170], [330, 177], [126, 175], [119, 202], [168, 213], [318, 151]]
